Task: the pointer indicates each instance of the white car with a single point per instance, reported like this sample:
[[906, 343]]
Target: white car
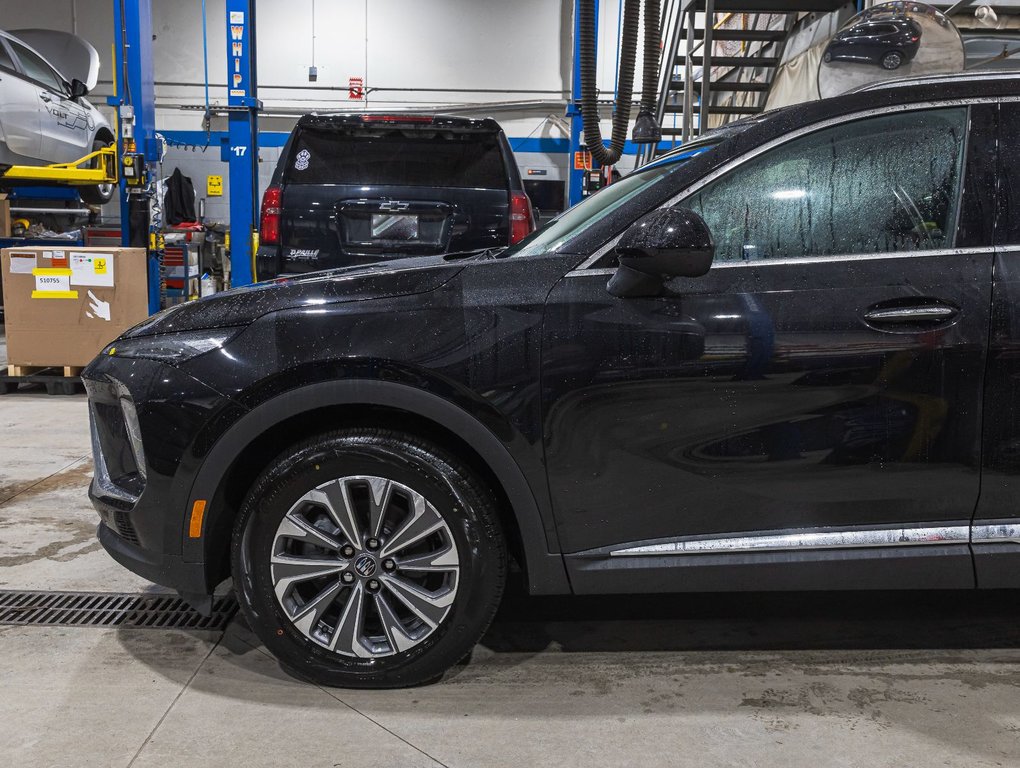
[[44, 118]]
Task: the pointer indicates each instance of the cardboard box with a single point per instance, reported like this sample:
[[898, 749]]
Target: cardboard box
[[5, 216], [63, 306]]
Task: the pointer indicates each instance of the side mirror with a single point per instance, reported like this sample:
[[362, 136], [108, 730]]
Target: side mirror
[[668, 242], [78, 89]]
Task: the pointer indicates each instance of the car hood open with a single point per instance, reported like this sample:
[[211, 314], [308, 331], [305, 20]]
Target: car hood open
[[73, 56]]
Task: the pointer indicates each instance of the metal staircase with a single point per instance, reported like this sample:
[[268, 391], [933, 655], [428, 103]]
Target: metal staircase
[[701, 87]]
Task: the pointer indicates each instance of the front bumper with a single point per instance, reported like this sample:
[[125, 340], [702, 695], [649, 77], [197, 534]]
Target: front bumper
[[151, 427], [168, 570]]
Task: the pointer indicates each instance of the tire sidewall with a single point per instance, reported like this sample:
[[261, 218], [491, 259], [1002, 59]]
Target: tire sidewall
[[94, 195], [452, 493]]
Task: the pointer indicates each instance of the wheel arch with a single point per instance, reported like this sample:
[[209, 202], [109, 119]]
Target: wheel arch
[[241, 454]]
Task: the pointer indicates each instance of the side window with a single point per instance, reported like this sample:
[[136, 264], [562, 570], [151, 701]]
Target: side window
[[5, 59], [876, 185], [37, 69]]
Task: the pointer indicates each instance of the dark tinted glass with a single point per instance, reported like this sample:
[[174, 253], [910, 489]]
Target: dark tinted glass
[[400, 158], [879, 185], [37, 69], [5, 58]]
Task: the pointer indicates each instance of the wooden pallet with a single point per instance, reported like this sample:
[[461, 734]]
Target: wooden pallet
[[57, 380]]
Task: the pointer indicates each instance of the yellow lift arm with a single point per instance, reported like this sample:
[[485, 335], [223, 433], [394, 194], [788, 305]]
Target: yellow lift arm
[[104, 170]]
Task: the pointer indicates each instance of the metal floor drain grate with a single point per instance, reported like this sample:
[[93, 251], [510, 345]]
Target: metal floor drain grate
[[107, 609]]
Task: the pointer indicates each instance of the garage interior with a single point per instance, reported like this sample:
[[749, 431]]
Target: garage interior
[[102, 667]]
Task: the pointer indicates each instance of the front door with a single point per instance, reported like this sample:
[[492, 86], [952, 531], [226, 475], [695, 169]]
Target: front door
[[818, 391], [20, 119], [66, 127]]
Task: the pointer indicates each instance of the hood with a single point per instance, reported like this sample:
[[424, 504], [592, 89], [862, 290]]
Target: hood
[[72, 56], [242, 306]]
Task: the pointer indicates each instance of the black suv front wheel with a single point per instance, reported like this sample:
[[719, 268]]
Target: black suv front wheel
[[368, 558]]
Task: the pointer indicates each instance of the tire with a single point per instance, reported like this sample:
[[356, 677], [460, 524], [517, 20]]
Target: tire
[[281, 527], [827, 57], [892, 60], [100, 194]]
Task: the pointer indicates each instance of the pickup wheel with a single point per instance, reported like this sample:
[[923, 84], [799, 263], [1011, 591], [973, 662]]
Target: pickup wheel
[[100, 194], [368, 558]]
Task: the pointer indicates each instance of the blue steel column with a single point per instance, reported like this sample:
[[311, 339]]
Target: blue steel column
[[133, 59], [241, 150], [576, 177]]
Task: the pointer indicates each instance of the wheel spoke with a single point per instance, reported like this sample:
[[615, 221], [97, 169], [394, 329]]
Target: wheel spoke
[[289, 570], [427, 606], [333, 604], [392, 626], [424, 520], [296, 528], [347, 635], [440, 561], [308, 615], [334, 497], [379, 501]]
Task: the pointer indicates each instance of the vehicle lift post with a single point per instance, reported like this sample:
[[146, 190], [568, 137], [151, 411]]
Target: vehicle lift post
[[240, 150], [575, 186], [135, 102]]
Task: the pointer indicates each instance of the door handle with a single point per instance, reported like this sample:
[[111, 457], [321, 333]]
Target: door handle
[[918, 313]]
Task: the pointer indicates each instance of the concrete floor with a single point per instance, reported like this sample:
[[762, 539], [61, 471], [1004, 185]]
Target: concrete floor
[[783, 680]]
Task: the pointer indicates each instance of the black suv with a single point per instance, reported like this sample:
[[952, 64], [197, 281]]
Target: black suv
[[784, 357], [886, 42], [355, 189]]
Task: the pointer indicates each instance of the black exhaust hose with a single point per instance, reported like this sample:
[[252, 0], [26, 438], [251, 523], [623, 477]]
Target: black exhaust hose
[[650, 76], [646, 129], [624, 81]]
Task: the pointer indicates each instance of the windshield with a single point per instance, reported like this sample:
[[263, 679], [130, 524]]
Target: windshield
[[591, 210]]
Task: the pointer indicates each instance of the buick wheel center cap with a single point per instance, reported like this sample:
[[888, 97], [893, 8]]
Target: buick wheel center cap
[[365, 565]]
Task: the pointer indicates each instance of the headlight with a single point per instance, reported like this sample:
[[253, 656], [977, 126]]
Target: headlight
[[172, 347]]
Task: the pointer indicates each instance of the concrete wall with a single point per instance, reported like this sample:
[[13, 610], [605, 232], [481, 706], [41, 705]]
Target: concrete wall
[[509, 60]]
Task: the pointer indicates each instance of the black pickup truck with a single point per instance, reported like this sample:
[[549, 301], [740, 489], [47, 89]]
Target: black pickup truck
[[361, 188]]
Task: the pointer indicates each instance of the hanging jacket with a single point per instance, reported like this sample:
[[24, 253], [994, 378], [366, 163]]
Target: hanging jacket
[[179, 200]]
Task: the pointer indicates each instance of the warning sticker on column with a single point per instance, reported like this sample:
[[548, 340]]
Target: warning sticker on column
[[53, 283], [91, 268]]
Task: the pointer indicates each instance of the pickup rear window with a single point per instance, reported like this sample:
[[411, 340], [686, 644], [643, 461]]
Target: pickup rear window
[[412, 158]]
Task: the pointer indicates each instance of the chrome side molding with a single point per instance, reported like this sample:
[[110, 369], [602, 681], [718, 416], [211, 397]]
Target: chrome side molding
[[814, 540], [1003, 533]]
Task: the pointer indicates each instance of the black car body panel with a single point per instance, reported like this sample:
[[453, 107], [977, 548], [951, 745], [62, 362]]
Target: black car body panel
[[757, 400], [357, 189]]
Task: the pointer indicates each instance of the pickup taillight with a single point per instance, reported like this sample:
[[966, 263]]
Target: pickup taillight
[[521, 221], [269, 216]]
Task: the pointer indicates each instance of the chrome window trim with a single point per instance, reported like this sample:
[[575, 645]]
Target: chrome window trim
[[970, 251], [806, 541], [793, 136]]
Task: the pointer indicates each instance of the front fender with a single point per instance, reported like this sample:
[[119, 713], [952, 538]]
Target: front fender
[[543, 562]]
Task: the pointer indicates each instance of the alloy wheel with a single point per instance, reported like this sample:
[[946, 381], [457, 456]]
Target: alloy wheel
[[365, 566]]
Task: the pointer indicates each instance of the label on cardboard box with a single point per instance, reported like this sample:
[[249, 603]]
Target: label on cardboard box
[[53, 284], [23, 263], [90, 268], [57, 258]]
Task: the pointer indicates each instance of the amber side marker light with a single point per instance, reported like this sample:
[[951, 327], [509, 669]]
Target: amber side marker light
[[197, 513]]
